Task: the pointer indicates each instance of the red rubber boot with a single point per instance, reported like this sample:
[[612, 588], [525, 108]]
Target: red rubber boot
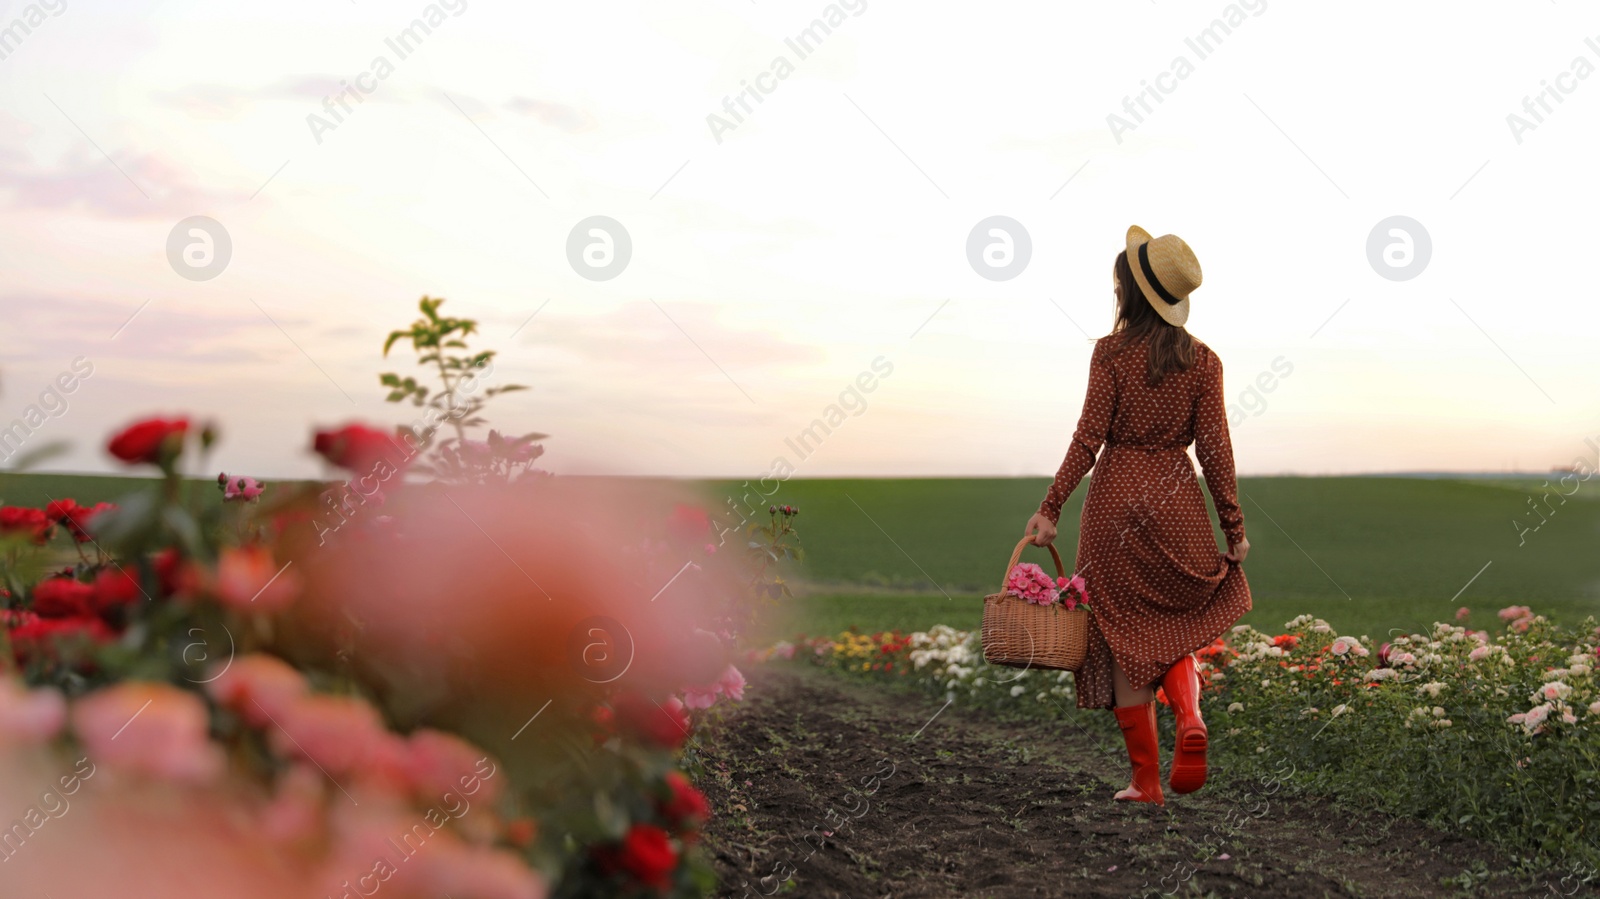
[[1182, 685], [1138, 723]]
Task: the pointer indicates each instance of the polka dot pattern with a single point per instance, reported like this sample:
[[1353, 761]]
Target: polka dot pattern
[[1158, 586]]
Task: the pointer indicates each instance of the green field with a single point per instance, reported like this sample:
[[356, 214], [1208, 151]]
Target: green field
[[1369, 554], [1366, 553]]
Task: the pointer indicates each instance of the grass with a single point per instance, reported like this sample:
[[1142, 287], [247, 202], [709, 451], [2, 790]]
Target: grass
[[1367, 553]]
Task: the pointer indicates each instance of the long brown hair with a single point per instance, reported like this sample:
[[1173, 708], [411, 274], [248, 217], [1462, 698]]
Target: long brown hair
[[1171, 347]]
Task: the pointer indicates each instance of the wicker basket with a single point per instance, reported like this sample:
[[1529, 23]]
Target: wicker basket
[[1020, 634]]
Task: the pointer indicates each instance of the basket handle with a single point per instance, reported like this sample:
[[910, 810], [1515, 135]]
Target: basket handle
[[1016, 555]]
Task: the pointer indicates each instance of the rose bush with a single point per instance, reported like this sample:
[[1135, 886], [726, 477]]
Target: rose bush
[[1492, 735], [476, 693]]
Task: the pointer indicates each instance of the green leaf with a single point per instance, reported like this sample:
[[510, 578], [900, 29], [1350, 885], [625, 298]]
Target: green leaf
[[134, 515], [389, 379], [187, 529], [393, 336]]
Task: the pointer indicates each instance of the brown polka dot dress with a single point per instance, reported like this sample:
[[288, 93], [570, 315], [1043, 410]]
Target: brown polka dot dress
[[1159, 588]]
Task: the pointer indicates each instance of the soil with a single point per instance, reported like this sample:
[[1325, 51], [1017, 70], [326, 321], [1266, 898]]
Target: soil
[[966, 803]]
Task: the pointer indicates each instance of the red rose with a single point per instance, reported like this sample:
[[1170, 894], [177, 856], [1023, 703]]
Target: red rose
[[115, 587], [688, 807], [175, 575], [150, 441], [521, 831], [36, 638], [31, 523], [359, 448], [59, 509], [62, 597], [1286, 641], [661, 724], [76, 518], [646, 854]]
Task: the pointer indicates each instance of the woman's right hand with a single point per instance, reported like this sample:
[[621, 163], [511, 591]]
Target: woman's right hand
[[1238, 551], [1042, 529]]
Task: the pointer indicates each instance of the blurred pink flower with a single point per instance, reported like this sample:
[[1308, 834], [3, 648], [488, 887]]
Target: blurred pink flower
[[701, 697], [257, 687], [295, 813], [337, 733], [150, 728], [1511, 613], [1478, 653], [248, 579], [732, 683], [30, 716], [729, 683], [453, 867], [1462, 613], [438, 763]]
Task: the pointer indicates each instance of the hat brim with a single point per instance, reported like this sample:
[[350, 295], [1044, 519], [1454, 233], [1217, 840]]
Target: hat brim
[[1175, 314]]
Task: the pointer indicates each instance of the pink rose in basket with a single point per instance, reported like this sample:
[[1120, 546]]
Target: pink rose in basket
[[1074, 591], [1029, 582]]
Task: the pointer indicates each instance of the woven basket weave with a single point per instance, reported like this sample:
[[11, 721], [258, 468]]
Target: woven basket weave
[[1019, 634]]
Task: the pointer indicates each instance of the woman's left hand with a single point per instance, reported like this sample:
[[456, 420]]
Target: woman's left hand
[[1042, 529]]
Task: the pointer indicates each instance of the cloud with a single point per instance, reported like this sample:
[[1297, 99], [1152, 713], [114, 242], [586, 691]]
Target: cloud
[[145, 186], [554, 115], [642, 338], [54, 328], [216, 101]]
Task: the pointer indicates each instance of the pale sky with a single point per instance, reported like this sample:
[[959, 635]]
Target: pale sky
[[774, 260]]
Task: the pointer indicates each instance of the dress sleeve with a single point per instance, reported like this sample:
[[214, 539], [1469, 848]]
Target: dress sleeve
[[1214, 448], [1099, 403]]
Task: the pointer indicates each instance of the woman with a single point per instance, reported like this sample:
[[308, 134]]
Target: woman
[[1157, 584]]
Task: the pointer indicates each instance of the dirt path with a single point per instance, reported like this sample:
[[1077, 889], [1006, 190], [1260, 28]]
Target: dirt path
[[966, 804]]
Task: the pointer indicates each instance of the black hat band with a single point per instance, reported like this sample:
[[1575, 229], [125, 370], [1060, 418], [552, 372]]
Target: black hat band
[[1150, 275]]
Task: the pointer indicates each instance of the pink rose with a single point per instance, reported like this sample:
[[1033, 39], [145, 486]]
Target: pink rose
[[248, 579], [732, 683], [239, 488], [295, 813], [149, 728], [257, 687], [437, 763], [701, 697], [450, 866], [30, 716], [337, 733]]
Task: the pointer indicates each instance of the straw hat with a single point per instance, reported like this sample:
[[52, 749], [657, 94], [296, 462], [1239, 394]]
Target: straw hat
[[1167, 272]]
